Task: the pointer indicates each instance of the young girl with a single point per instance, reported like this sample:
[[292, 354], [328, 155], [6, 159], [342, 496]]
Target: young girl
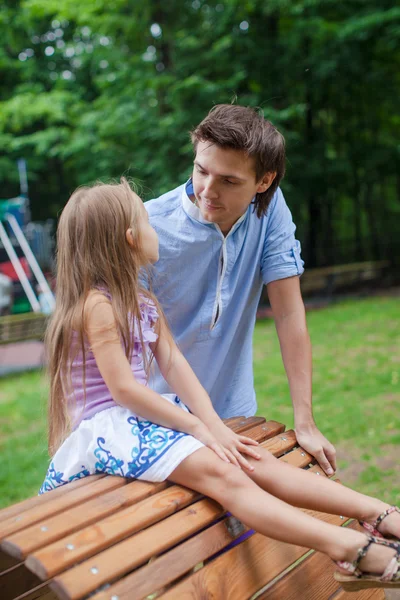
[[103, 335]]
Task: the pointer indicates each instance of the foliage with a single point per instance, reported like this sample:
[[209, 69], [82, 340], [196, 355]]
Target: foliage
[[93, 89]]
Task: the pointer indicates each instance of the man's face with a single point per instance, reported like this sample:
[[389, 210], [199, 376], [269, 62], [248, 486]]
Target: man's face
[[224, 183]]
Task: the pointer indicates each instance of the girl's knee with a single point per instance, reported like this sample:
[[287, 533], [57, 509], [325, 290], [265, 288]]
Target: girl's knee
[[227, 480]]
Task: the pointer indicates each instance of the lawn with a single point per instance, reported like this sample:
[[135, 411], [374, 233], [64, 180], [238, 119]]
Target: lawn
[[356, 347]]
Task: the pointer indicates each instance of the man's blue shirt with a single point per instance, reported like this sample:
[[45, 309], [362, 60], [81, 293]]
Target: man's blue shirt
[[210, 285]]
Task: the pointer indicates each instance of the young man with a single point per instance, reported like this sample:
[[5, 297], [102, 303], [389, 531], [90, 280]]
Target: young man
[[223, 235]]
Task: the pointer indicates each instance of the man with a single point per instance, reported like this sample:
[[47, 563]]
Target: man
[[223, 235]]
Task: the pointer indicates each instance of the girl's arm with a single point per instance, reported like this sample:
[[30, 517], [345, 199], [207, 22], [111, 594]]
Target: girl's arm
[[180, 377], [116, 371]]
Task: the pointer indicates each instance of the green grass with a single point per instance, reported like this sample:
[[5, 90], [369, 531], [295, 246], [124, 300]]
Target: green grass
[[356, 348], [356, 357]]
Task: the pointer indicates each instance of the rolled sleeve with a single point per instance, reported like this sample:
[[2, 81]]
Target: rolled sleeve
[[281, 256]]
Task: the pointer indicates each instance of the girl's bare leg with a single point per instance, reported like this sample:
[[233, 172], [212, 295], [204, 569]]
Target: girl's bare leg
[[308, 490], [204, 472]]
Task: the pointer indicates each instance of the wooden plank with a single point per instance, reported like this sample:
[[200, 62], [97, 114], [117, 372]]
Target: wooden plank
[[312, 579], [16, 581], [232, 421], [136, 550], [41, 592], [171, 565], [303, 577], [317, 469], [60, 555], [297, 458], [6, 562], [242, 571], [281, 443], [53, 528], [261, 432], [246, 423], [372, 594], [59, 504], [336, 269], [17, 509]]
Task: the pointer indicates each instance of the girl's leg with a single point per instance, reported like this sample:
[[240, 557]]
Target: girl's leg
[[204, 472], [306, 490]]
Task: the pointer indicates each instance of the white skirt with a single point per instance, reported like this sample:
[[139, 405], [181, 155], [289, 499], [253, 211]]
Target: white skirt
[[117, 442]]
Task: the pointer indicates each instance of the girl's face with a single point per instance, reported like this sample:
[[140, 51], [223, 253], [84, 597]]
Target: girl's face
[[149, 238], [148, 235]]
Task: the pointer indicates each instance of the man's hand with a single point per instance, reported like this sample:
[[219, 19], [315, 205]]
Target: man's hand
[[316, 444]]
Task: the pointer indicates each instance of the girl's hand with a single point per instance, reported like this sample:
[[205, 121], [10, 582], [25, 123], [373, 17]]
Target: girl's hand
[[202, 433], [235, 445]]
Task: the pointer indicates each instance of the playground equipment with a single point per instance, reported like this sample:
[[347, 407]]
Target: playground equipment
[[17, 259]]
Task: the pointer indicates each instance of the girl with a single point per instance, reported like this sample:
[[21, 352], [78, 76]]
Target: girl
[[105, 331]]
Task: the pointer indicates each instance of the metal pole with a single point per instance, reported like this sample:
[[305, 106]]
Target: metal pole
[[19, 270], [31, 259]]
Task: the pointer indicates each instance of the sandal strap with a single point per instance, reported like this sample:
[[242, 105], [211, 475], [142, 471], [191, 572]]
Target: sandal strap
[[372, 528], [392, 571], [385, 514], [352, 567]]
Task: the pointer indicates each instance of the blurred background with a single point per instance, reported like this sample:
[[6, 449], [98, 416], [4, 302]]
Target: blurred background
[[93, 89]]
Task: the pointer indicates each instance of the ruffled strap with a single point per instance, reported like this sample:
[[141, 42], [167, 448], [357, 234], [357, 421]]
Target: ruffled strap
[[148, 317]]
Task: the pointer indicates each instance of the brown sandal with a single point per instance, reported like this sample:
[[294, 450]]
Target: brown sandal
[[372, 528], [359, 580]]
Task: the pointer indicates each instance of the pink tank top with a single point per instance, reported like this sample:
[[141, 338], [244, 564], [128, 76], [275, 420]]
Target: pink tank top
[[98, 396]]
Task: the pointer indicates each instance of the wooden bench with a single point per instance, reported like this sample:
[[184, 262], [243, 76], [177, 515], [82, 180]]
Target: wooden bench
[[106, 538], [326, 280], [23, 327]]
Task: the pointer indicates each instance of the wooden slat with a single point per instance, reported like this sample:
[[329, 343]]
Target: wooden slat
[[53, 528], [17, 509], [246, 423], [232, 421], [79, 546], [260, 432], [171, 565], [7, 561], [41, 592], [303, 577], [250, 565], [136, 550], [297, 458], [61, 503], [16, 581], [281, 443], [372, 594], [317, 469], [311, 579]]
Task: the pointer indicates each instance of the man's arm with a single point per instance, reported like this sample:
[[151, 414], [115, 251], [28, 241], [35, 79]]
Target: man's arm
[[290, 322]]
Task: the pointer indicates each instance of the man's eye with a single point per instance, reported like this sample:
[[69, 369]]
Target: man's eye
[[230, 182]]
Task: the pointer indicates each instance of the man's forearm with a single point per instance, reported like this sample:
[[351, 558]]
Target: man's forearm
[[297, 358]]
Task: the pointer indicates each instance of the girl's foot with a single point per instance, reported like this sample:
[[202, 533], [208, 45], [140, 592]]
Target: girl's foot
[[373, 567], [385, 524]]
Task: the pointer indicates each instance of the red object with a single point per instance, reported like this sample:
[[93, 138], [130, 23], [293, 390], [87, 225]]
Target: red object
[[7, 269]]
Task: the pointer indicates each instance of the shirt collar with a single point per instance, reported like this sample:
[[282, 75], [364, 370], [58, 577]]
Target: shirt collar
[[193, 211]]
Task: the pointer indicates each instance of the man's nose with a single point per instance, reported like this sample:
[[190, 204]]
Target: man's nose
[[210, 189]]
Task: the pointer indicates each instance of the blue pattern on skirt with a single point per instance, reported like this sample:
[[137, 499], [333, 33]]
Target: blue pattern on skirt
[[150, 443]]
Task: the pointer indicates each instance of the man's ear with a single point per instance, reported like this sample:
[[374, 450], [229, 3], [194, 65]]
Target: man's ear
[[266, 182], [129, 237]]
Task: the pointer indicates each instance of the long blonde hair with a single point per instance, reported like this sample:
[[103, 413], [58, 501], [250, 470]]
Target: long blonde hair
[[92, 252]]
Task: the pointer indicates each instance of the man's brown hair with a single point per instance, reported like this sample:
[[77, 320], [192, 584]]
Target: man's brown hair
[[244, 128]]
